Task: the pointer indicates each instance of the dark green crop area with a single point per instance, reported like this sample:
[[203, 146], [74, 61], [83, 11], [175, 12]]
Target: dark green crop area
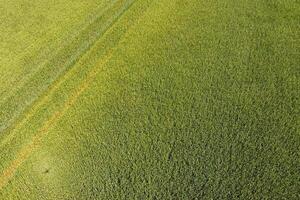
[[149, 99]]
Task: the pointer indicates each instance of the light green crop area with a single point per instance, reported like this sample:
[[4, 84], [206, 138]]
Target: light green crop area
[[149, 99]]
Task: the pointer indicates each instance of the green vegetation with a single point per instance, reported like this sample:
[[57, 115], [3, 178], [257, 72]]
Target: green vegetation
[[149, 99]]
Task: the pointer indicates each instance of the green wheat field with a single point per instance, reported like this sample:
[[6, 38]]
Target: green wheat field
[[149, 99]]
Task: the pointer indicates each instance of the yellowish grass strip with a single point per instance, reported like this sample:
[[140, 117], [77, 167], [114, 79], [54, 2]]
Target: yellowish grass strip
[[27, 150], [24, 153]]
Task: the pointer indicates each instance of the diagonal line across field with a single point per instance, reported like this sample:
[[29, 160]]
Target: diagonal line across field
[[56, 49], [15, 126], [58, 65], [181, 99], [27, 150]]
